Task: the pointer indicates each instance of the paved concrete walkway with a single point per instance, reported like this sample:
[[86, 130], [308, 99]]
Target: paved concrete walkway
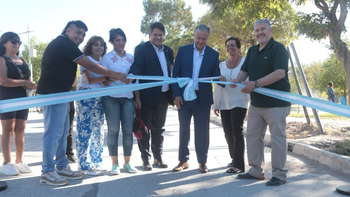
[[305, 177]]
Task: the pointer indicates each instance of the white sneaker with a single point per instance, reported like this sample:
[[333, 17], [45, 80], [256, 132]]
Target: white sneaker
[[101, 168], [91, 172], [130, 168], [9, 169], [67, 173], [52, 178], [22, 167], [115, 169]]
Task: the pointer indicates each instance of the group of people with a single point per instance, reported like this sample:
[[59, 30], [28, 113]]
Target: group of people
[[266, 65]]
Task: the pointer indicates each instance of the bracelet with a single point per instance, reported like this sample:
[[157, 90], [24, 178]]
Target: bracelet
[[107, 78]]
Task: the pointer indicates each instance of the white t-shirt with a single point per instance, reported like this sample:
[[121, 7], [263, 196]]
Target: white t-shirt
[[83, 83], [114, 62], [226, 98]]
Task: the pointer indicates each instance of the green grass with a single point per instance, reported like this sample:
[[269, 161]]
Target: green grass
[[321, 115]]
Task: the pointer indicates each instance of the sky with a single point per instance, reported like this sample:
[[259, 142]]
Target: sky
[[47, 18]]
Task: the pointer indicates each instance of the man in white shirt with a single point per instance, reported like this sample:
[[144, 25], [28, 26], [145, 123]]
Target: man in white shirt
[[195, 61]]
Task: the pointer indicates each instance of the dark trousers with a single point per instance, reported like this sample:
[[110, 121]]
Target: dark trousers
[[154, 118], [69, 150], [232, 122], [201, 117]]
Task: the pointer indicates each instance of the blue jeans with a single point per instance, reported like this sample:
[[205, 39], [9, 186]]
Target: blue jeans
[[119, 110], [56, 126], [90, 131]]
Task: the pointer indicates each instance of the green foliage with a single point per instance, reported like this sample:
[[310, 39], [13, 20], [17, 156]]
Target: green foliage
[[236, 18], [333, 71], [313, 25], [176, 18], [329, 22], [36, 61], [319, 74], [313, 72]]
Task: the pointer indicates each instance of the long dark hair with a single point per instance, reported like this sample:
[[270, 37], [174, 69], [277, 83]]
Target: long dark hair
[[6, 37], [88, 47]]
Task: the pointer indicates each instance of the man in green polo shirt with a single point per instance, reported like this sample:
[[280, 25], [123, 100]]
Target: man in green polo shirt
[[266, 65]]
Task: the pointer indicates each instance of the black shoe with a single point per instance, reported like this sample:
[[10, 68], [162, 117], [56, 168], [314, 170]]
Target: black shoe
[[147, 166], [248, 176], [203, 168], [71, 159], [275, 182], [160, 163]]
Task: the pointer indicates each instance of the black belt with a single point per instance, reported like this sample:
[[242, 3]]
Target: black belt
[[197, 92]]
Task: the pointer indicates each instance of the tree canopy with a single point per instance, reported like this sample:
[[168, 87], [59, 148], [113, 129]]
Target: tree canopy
[[328, 22], [176, 18], [36, 61], [236, 18]]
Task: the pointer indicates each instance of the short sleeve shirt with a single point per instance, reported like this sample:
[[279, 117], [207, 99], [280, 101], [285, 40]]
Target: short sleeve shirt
[[258, 64], [58, 67], [114, 62], [83, 82]]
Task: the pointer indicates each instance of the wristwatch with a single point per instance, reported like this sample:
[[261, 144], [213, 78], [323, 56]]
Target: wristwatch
[[256, 83], [107, 78]]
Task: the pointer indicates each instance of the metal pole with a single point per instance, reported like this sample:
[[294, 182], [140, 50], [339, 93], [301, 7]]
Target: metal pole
[[317, 118], [298, 86], [29, 62]]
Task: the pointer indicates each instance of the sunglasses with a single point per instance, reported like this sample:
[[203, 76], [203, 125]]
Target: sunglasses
[[14, 41]]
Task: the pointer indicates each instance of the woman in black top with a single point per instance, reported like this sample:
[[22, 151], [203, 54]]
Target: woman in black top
[[14, 79]]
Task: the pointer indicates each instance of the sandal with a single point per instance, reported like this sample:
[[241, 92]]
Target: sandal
[[230, 164], [234, 171]]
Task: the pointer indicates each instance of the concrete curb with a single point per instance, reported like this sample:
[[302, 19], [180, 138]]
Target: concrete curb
[[337, 162]]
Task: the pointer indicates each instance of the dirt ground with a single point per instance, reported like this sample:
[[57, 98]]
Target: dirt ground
[[336, 138]]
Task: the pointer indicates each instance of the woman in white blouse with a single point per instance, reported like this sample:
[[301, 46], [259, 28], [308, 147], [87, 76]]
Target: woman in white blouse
[[119, 108], [232, 105]]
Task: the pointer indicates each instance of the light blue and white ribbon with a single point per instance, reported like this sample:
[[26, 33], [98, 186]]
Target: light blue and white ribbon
[[314, 103], [51, 99], [190, 92]]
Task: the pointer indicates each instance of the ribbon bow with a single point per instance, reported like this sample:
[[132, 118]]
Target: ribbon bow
[[190, 92]]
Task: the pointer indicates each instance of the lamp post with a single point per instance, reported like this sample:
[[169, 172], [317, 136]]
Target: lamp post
[[29, 55]]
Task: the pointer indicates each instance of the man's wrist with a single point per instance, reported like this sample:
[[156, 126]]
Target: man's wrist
[[256, 83]]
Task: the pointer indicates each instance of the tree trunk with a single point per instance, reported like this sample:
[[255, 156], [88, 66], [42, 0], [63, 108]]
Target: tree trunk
[[334, 33], [343, 56]]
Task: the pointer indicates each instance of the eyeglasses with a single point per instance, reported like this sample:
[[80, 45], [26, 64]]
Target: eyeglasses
[[14, 41]]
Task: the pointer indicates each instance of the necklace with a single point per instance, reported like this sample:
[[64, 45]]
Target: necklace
[[233, 67]]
